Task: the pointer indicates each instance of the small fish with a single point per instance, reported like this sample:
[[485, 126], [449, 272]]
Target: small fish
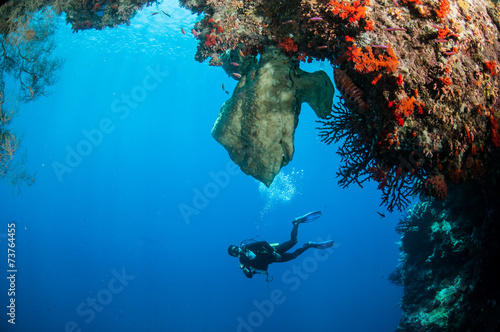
[[440, 40], [155, 13], [450, 53], [183, 31], [235, 64], [379, 46], [322, 47], [287, 22], [381, 214], [164, 12], [226, 92], [315, 19], [236, 75], [223, 88], [194, 32], [395, 29], [242, 54]]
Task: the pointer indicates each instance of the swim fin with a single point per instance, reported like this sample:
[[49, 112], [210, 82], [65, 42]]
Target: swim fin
[[320, 245], [308, 217]]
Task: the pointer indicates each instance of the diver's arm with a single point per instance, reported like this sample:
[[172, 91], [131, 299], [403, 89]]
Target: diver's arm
[[247, 271]]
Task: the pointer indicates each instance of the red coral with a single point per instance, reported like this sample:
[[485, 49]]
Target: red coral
[[405, 107], [492, 67], [344, 10], [442, 33], [444, 9], [211, 40], [379, 175], [399, 79], [288, 44], [367, 62], [436, 186], [376, 79], [445, 80], [495, 137], [369, 26]]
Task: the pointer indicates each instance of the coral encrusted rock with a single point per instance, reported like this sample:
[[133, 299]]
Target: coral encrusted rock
[[257, 124]]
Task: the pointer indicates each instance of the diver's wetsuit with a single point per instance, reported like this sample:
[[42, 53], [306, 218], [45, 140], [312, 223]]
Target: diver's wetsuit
[[264, 252]]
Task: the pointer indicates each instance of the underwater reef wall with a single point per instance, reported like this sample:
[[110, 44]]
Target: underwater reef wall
[[418, 114], [419, 80], [449, 262]]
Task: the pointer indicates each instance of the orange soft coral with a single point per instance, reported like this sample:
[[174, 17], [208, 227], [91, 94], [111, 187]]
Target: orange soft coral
[[210, 41], [288, 44], [405, 107], [444, 9], [343, 9], [367, 62], [369, 26]]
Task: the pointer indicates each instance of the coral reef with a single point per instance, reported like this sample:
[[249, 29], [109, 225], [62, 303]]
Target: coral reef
[[405, 68], [418, 114], [98, 14], [257, 123], [81, 14], [448, 265], [27, 68], [414, 67]]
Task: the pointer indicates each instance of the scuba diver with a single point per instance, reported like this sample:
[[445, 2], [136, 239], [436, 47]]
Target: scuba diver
[[255, 256]]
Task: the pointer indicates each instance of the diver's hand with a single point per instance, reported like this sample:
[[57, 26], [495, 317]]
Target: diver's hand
[[277, 256], [250, 254]]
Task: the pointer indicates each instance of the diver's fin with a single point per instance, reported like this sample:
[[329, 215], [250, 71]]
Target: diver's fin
[[308, 217], [320, 245]]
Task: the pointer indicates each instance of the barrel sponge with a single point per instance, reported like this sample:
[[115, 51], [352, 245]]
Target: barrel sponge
[[257, 123]]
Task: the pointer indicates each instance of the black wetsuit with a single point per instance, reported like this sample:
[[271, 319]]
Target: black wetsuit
[[264, 252]]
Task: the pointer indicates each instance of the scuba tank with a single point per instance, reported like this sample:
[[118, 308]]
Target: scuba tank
[[247, 241]]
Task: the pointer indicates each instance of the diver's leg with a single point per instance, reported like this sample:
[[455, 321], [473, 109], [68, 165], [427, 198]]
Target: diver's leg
[[295, 232], [285, 257], [285, 246]]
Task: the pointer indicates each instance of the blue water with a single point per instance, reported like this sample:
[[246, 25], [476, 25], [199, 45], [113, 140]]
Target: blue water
[[105, 243]]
